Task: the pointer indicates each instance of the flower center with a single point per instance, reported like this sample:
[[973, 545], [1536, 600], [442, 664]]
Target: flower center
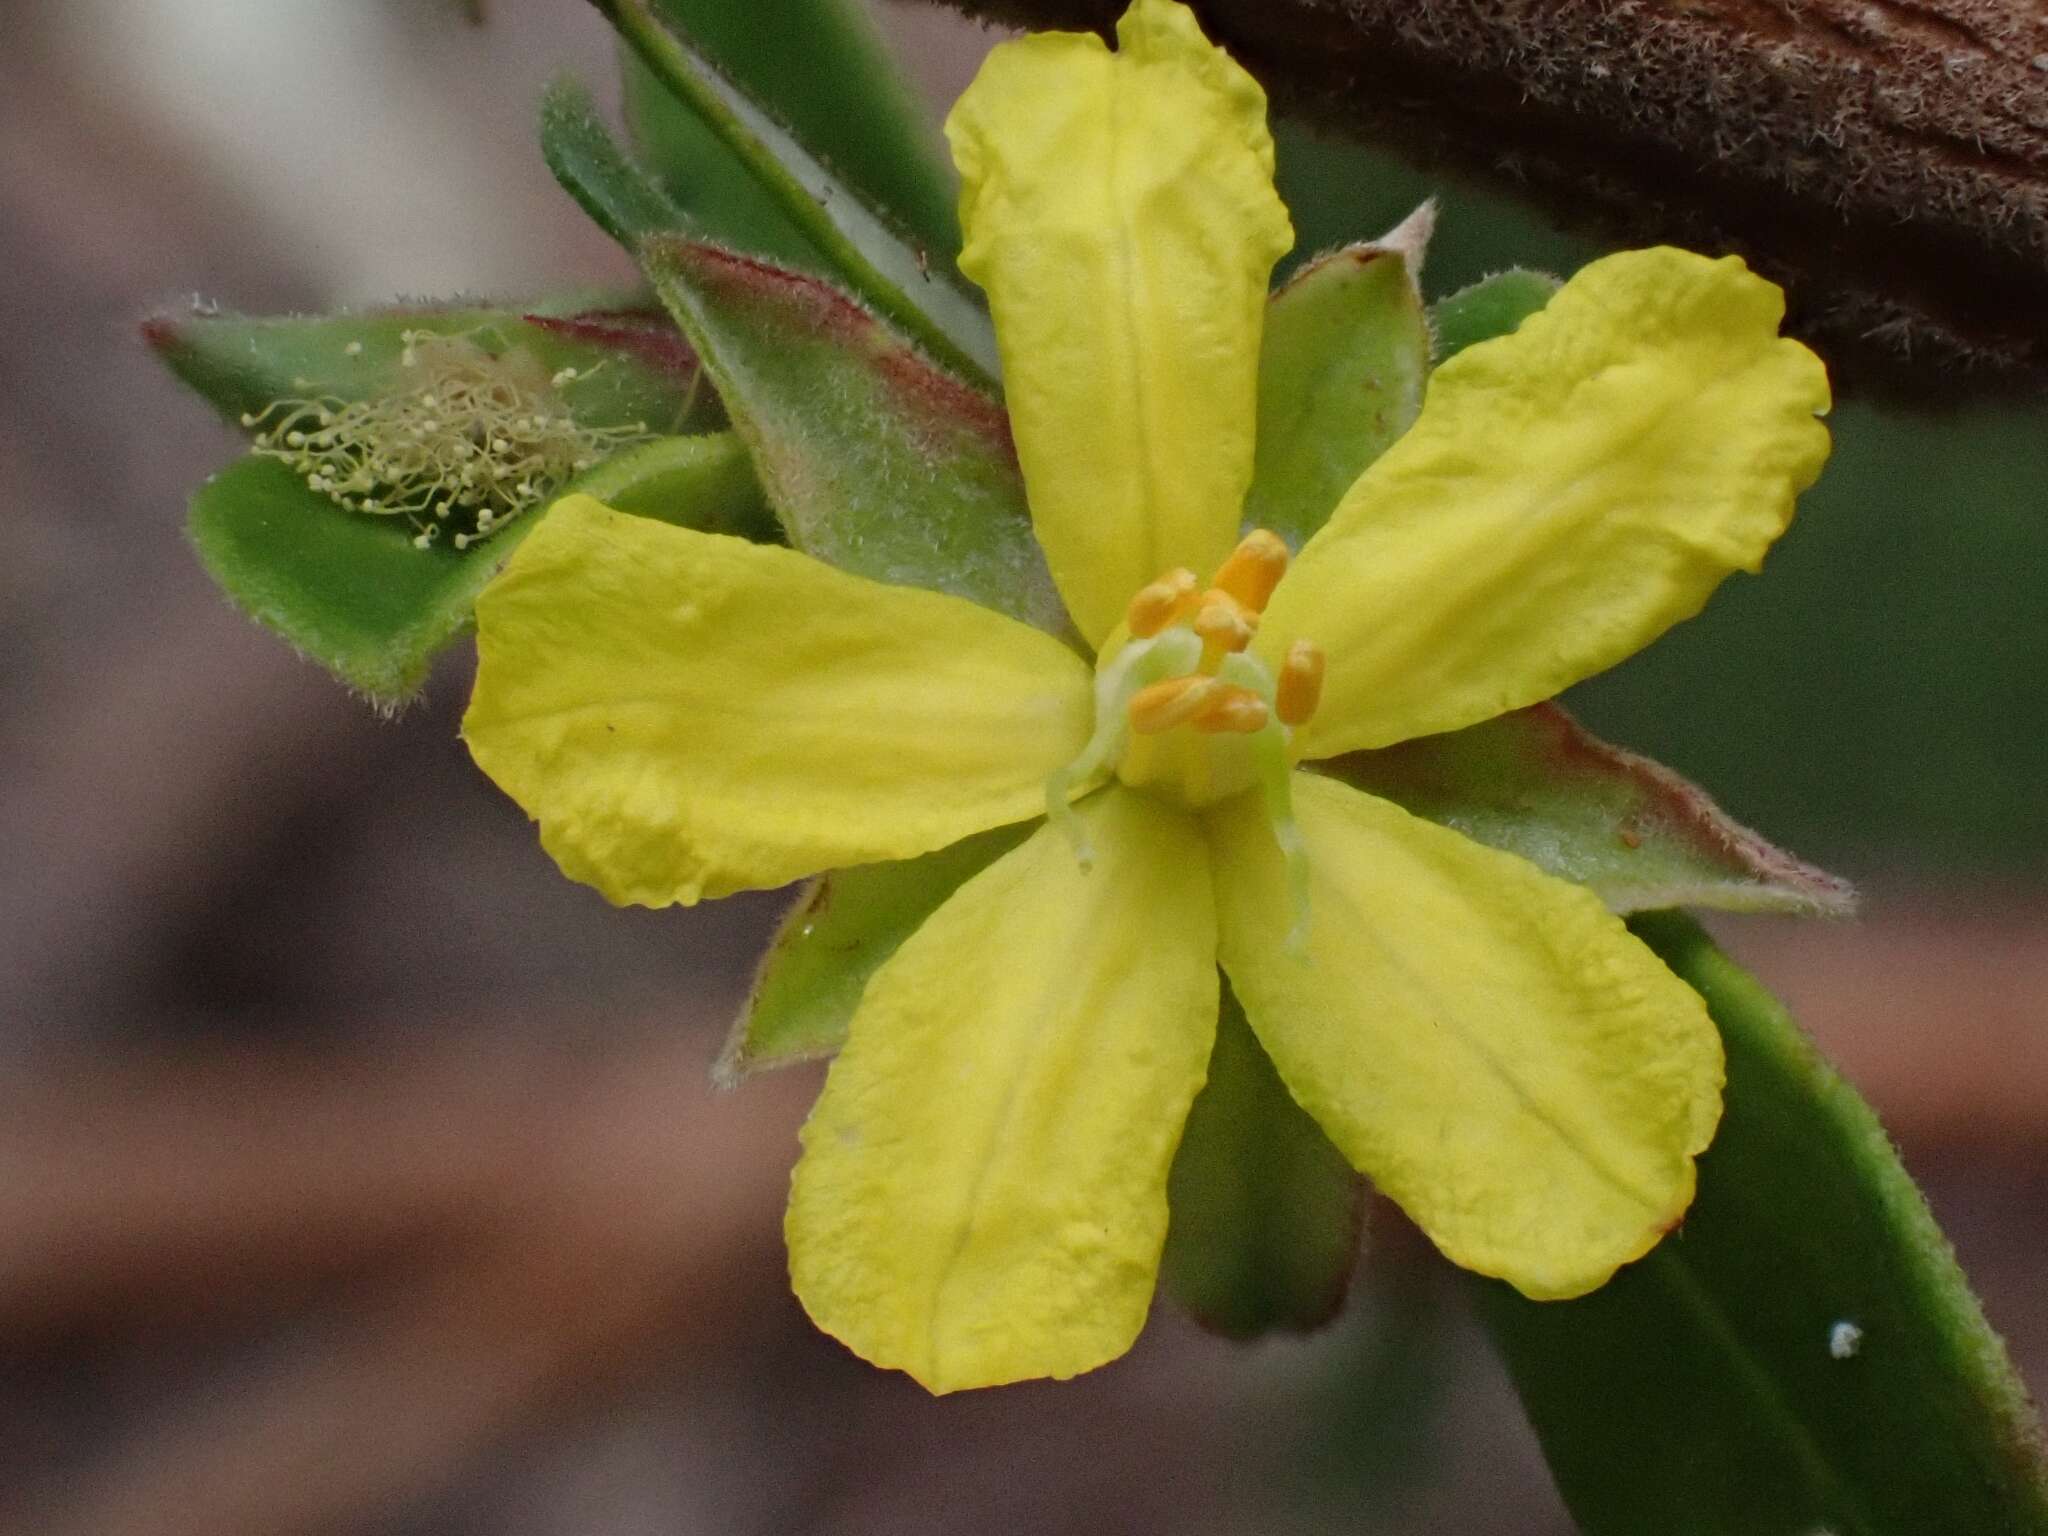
[[1184, 710], [1199, 733]]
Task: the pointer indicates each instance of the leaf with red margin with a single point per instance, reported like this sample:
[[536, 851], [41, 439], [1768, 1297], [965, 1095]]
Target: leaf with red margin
[[1537, 783], [630, 365], [876, 459]]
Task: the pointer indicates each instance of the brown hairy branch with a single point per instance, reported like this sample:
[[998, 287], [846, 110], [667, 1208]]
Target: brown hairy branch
[[1887, 160]]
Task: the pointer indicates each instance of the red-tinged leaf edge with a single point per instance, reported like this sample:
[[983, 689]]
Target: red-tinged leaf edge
[[876, 458], [924, 386], [1456, 779], [648, 335]]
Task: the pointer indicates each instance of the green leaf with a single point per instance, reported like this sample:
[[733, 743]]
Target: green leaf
[[631, 365], [1491, 307], [696, 171], [352, 592], [706, 483], [1803, 1355], [591, 167], [1266, 1216], [841, 929], [1538, 784], [1341, 371], [820, 68], [875, 460], [853, 243]]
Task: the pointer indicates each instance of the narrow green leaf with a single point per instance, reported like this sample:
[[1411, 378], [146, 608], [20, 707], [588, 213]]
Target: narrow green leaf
[[1803, 1355], [821, 69], [696, 171], [1537, 783], [841, 929], [854, 243], [1266, 1216], [591, 167], [875, 460], [352, 591], [1341, 370], [1491, 307], [631, 365]]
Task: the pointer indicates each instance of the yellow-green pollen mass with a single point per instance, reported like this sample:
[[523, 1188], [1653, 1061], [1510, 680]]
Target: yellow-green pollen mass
[[468, 441]]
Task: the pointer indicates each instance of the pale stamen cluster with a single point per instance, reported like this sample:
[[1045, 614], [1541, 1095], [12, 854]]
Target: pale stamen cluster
[[471, 441]]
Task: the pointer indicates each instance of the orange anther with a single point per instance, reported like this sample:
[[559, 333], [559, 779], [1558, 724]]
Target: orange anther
[[1300, 688], [1161, 706], [1232, 709], [1254, 569], [1224, 624], [1162, 603]]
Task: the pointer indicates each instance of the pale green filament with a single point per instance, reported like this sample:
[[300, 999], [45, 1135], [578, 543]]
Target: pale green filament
[[1138, 665], [1276, 788]]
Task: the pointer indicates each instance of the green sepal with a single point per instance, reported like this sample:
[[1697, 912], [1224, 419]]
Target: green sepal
[[352, 592], [1536, 783], [1341, 371], [876, 460], [821, 69], [853, 243], [841, 928], [1710, 1389], [632, 365], [1265, 1216], [1491, 307], [584, 157]]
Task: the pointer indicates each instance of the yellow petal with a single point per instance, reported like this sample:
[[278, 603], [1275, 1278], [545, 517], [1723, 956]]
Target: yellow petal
[[1569, 493], [1120, 212], [688, 715], [982, 1194], [1488, 1044]]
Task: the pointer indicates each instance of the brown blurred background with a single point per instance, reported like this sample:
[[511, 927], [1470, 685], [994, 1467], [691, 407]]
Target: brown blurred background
[[360, 1174]]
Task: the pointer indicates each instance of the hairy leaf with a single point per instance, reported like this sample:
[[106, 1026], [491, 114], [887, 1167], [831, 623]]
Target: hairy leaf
[[1803, 1355], [852, 242], [876, 460], [1538, 784], [591, 167], [631, 365], [819, 67]]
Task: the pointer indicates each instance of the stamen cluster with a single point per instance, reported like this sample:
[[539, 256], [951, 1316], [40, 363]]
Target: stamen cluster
[[470, 442], [1188, 663], [1224, 618]]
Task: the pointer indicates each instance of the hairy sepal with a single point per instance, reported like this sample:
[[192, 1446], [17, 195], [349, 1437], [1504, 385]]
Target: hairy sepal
[[1342, 365]]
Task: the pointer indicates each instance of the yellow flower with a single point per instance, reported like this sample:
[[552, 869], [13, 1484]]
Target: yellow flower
[[982, 1192]]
